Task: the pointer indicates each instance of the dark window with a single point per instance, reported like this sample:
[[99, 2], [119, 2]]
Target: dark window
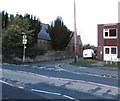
[[106, 33], [112, 32], [113, 50], [106, 50]]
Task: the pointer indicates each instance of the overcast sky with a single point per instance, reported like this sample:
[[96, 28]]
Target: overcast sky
[[89, 13]]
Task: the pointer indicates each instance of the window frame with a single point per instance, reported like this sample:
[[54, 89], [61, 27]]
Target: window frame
[[108, 31], [110, 50], [115, 51], [107, 52]]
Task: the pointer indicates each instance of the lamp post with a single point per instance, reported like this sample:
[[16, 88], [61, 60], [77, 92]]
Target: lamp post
[[24, 40]]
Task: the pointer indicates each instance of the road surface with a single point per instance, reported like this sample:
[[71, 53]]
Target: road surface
[[53, 83]]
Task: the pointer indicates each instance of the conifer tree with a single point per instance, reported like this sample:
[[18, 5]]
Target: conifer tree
[[6, 19], [60, 35]]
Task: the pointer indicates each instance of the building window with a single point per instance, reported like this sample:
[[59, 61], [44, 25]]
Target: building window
[[113, 50], [107, 51], [106, 34], [110, 50], [110, 33]]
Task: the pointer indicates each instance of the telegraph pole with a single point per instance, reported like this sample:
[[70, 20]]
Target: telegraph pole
[[75, 34]]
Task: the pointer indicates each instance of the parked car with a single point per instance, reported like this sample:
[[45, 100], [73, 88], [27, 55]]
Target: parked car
[[88, 53]]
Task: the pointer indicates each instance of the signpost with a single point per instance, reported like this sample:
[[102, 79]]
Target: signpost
[[24, 40]]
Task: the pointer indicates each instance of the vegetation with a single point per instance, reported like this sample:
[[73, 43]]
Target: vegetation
[[13, 26], [117, 64], [88, 46], [60, 35], [83, 63]]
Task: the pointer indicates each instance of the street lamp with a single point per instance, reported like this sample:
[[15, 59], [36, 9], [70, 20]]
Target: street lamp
[[24, 40]]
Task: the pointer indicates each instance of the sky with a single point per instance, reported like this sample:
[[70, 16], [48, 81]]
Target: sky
[[89, 13]]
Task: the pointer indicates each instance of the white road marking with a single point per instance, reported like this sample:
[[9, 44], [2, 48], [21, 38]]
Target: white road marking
[[63, 81], [47, 92], [21, 87], [6, 83], [69, 97], [13, 84], [82, 67], [42, 91]]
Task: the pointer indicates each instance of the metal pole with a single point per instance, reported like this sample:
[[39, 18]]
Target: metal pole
[[75, 32], [24, 53]]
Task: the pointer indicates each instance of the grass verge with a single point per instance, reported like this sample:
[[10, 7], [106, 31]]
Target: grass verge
[[113, 64], [82, 63]]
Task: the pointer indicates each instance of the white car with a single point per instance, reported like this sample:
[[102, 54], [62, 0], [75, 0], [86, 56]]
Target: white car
[[88, 53]]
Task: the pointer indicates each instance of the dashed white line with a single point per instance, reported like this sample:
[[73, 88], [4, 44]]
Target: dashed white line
[[69, 97], [41, 91], [47, 92]]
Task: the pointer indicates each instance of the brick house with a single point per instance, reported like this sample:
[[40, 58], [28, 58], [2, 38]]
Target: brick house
[[109, 42]]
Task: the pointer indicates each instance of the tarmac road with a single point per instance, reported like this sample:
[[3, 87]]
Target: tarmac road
[[56, 80], [10, 92]]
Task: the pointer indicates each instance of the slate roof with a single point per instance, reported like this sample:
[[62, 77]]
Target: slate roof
[[45, 36], [78, 40]]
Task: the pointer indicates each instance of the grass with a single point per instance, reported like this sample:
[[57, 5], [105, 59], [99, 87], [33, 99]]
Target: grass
[[113, 64], [83, 63]]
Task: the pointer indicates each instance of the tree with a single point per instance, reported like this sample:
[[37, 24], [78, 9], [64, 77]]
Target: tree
[[60, 35], [12, 35], [89, 46], [6, 19], [35, 25]]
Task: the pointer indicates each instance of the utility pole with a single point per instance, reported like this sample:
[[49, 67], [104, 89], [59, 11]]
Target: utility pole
[[24, 43], [75, 34]]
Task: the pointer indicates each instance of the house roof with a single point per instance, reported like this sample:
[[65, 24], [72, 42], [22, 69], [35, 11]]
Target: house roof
[[109, 24], [78, 40], [43, 34]]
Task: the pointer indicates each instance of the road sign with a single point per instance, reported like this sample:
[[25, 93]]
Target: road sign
[[24, 36], [24, 41]]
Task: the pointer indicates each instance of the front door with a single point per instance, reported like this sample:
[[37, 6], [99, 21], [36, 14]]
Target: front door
[[110, 53]]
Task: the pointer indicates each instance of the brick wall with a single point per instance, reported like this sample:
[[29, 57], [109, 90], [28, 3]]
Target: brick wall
[[119, 40], [110, 42], [100, 42]]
